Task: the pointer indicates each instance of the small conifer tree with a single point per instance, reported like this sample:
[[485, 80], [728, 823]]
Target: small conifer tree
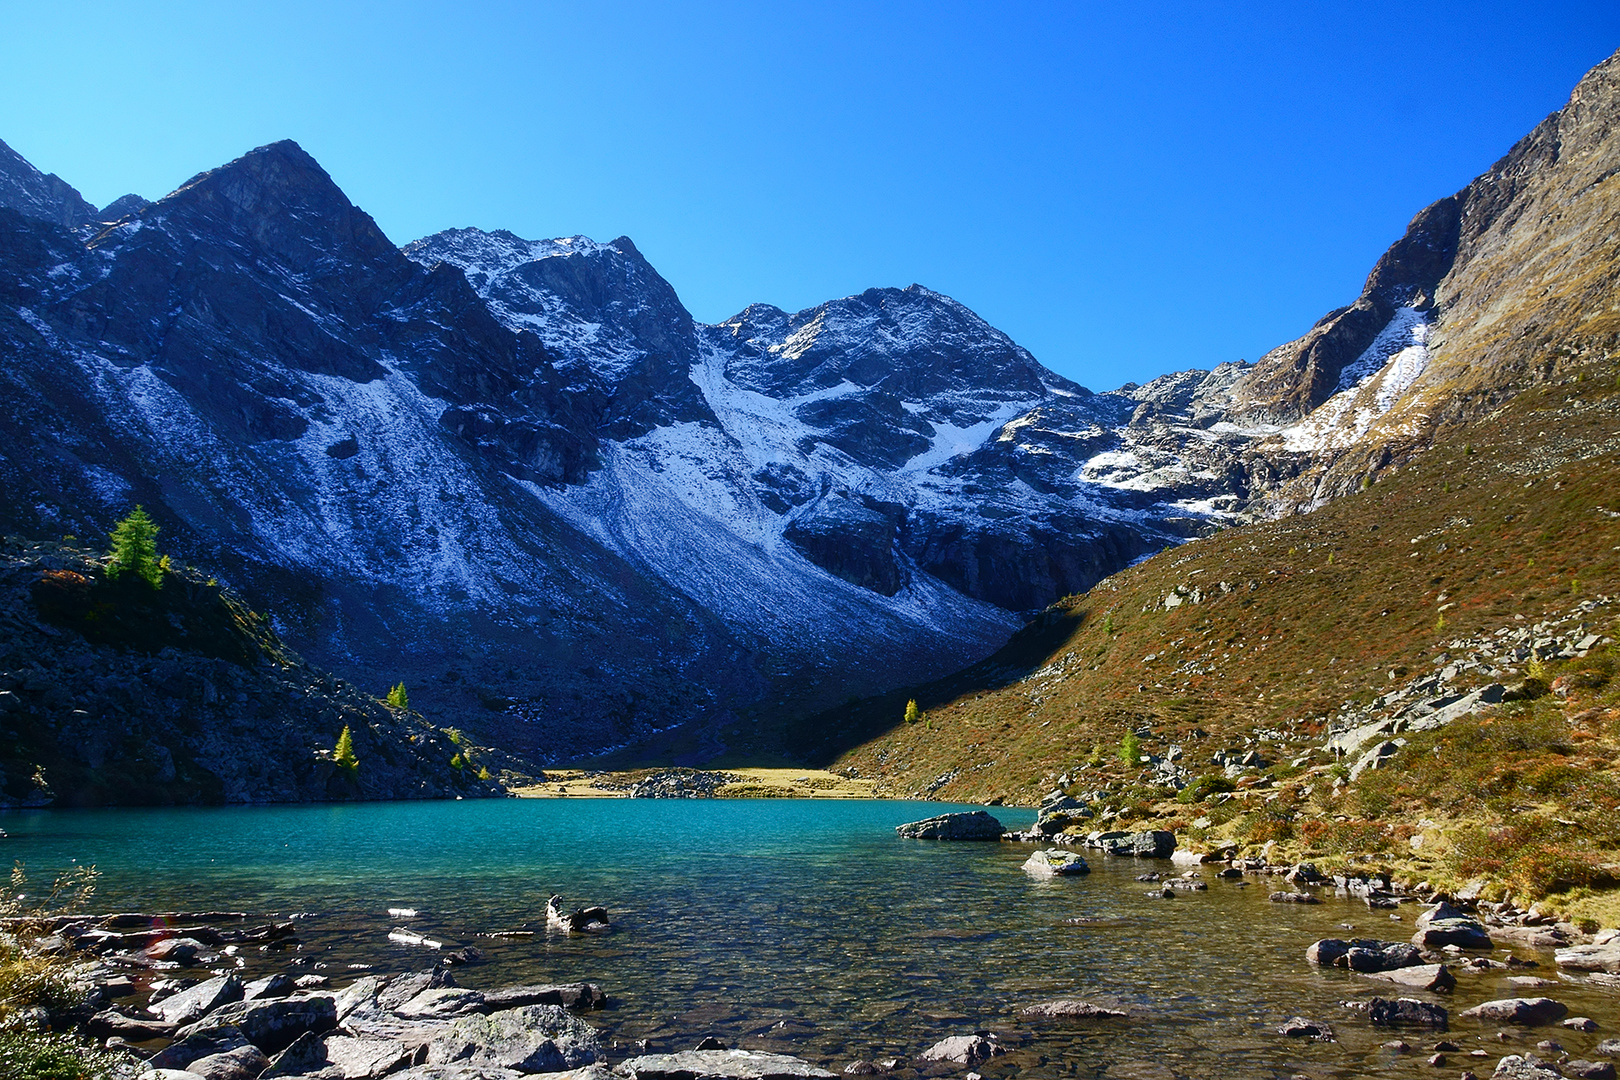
[[458, 762], [1130, 748], [134, 549], [344, 754], [913, 714], [483, 772], [397, 697]]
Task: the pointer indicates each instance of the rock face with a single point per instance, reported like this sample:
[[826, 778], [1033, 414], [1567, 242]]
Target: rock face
[[182, 695], [978, 825], [483, 454]]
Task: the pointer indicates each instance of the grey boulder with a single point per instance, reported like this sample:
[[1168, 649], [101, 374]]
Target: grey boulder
[[978, 825], [242, 1063], [189, 1006], [964, 1049], [1605, 958], [532, 1038], [1149, 844], [273, 1025]]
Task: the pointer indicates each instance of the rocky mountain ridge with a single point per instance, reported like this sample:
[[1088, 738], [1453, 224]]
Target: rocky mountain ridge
[[520, 474]]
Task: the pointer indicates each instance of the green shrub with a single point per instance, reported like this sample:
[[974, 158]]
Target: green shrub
[[27, 1054], [134, 550], [397, 697], [1130, 748], [913, 714], [458, 762]]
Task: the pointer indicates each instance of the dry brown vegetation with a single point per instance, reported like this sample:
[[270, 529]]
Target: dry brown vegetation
[[1516, 514]]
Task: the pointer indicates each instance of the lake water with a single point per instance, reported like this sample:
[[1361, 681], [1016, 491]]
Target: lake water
[[804, 927]]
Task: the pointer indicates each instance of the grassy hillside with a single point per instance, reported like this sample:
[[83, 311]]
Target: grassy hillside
[[1260, 638]]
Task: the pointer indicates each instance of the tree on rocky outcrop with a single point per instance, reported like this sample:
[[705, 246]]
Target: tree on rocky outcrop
[[397, 697], [134, 549], [344, 754]]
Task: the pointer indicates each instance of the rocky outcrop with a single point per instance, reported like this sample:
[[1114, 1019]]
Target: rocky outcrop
[[118, 693]]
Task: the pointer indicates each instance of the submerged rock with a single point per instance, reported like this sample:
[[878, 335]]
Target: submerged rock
[[977, 825], [721, 1065], [1300, 1028], [1069, 1009]]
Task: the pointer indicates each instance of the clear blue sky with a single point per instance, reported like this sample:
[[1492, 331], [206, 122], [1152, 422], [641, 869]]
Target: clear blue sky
[[1125, 189]]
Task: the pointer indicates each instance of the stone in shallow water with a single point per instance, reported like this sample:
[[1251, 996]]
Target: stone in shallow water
[[1528, 1067], [721, 1065], [964, 1049], [1075, 1010], [1300, 1028], [1406, 1012], [1436, 977], [1055, 863], [977, 825], [1526, 1012]]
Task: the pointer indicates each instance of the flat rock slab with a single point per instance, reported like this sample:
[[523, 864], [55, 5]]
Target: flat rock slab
[[1073, 1010], [582, 995], [1605, 958], [1589, 1070], [1435, 977], [1525, 1012], [978, 825], [720, 1065], [458, 1072], [533, 1038], [189, 1006], [443, 1003], [273, 1025]]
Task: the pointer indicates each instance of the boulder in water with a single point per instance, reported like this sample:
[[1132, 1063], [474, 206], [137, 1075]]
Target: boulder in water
[[977, 825]]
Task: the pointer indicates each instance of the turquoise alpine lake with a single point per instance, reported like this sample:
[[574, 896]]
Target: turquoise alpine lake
[[803, 927]]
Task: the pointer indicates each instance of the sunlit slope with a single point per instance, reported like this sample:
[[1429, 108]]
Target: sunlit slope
[[1277, 625]]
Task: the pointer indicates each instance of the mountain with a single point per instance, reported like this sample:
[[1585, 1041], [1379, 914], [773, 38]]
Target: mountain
[[519, 475]]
